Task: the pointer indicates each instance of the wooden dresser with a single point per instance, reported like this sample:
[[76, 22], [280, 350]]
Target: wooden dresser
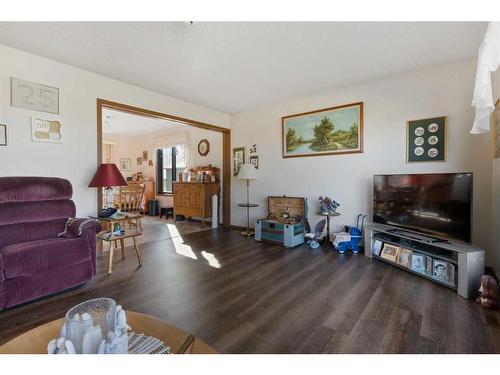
[[194, 198]]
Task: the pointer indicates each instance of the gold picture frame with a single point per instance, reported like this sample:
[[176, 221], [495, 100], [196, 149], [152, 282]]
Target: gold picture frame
[[342, 130], [495, 125]]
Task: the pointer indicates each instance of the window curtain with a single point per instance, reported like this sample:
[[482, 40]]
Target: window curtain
[[488, 61], [173, 140]]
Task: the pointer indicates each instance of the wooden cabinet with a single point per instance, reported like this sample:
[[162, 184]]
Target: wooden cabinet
[[194, 198]]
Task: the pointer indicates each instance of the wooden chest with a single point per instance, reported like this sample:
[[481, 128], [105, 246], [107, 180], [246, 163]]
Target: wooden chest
[[194, 198], [284, 224]]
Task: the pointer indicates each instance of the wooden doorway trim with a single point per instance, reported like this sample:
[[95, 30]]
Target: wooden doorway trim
[[226, 146]]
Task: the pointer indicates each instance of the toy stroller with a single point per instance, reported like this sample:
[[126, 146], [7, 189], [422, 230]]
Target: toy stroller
[[353, 235]]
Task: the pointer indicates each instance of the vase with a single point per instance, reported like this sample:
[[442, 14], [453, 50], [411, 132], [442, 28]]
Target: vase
[[91, 324]]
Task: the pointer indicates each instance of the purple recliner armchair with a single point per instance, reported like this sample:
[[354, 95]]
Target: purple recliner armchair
[[41, 252]]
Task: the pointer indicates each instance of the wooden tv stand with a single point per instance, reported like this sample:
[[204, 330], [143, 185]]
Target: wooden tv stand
[[467, 259]]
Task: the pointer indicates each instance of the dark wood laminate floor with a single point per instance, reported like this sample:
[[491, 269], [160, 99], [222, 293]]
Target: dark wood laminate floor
[[267, 299]]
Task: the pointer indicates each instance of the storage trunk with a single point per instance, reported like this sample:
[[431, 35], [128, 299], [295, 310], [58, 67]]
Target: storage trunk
[[286, 230]]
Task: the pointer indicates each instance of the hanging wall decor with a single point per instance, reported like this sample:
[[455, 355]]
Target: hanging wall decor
[[125, 164], [239, 158], [496, 130], [3, 135], [329, 131], [46, 130], [34, 96], [203, 147], [426, 140], [254, 160]]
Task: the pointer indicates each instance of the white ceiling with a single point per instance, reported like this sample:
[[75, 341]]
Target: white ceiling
[[235, 66], [130, 125]]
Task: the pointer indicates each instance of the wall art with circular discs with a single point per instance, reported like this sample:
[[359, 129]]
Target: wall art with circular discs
[[426, 140]]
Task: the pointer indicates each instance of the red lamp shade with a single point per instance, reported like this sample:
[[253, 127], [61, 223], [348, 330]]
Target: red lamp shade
[[107, 175]]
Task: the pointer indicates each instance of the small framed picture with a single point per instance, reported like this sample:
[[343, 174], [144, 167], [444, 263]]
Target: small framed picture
[[418, 262], [404, 257], [125, 164], [390, 252], [34, 96], [139, 161], [443, 271], [46, 130], [239, 156], [3, 135], [254, 160], [144, 155], [150, 162]]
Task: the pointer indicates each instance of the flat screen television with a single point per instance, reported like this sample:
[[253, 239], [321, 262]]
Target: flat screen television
[[435, 204]]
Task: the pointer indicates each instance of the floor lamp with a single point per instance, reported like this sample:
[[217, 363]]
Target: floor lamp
[[247, 172]]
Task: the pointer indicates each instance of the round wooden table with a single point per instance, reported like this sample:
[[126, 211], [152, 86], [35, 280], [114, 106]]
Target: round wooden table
[[35, 341]]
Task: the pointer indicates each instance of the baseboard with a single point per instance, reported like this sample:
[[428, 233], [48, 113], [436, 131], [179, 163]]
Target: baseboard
[[238, 227]]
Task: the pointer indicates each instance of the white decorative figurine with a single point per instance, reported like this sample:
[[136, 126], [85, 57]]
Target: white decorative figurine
[[90, 338]]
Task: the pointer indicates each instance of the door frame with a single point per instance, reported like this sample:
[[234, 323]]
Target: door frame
[[226, 146]]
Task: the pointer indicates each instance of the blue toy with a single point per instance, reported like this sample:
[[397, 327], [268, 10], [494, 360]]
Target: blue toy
[[313, 237], [355, 235]]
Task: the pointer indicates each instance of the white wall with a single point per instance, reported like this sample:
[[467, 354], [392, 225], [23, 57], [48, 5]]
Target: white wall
[[389, 103], [495, 227], [76, 158]]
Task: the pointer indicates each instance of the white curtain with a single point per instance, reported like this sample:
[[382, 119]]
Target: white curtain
[[488, 61], [173, 140]]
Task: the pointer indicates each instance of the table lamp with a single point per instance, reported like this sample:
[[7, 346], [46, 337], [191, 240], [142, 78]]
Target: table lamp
[[107, 176], [247, 172]]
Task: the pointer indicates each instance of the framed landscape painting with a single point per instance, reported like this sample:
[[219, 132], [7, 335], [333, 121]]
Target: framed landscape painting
[[336, 130]]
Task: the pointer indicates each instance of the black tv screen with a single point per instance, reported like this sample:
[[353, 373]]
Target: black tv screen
[[436, 204]]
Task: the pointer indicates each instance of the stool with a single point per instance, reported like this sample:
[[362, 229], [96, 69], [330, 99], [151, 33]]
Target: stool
[[167, 211]]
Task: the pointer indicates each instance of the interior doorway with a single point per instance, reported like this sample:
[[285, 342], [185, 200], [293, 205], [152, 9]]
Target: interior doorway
[[104, 106]]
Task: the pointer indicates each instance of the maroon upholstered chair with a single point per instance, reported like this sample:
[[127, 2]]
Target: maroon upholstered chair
[[39, 254]]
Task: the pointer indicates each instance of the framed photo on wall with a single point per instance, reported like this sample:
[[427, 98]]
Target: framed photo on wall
[[426, 140], [254, 160], [3, 135], [239, 157], [329, 131], [46, 130], [495, 122], [125, 164], [34, 96]]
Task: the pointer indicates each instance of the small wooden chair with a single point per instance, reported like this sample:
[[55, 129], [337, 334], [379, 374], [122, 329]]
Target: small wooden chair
[[130, 200]]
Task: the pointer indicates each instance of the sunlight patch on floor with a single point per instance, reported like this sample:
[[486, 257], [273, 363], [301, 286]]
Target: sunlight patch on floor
[[180, 247], [211, 259]]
